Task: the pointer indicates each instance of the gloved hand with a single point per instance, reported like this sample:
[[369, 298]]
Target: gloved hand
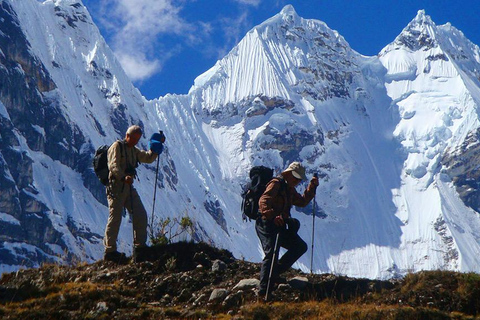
[[156, 142], [278, 221], [128, 179]]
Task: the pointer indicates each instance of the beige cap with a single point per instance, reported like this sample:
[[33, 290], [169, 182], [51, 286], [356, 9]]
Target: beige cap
[[298, 171]]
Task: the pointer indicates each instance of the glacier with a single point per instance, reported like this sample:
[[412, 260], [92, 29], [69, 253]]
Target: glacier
[[393, 137]]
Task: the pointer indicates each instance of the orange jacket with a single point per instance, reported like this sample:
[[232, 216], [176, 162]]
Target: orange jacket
[[277, 199]]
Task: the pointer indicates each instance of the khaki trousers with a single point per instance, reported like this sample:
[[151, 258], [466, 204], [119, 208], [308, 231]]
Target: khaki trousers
[[119, 196]]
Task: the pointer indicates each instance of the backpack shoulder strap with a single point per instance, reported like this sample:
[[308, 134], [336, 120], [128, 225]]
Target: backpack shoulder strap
[[283, 184], [281, 180], [255, 182], [120, 143], [283, 189], [122, 150]]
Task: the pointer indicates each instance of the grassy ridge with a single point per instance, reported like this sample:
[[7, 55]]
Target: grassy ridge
[[180, 280]]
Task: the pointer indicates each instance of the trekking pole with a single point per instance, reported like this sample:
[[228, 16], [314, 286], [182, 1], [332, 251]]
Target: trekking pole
[[275, 254], [134, 256], [313, 229], [154, 199], [154, 196]]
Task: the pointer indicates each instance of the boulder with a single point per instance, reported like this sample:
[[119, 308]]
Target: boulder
[[219, 265], [218, 294], [247, 284], [298, 283]]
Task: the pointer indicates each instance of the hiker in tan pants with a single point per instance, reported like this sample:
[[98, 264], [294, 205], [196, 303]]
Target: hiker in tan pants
[[123, 158]]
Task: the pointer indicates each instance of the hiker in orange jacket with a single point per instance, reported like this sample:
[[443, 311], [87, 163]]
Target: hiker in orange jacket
[[275, 204]]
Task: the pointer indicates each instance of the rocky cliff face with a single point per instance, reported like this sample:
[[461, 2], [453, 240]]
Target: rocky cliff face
[[461, 165], [31, 115], [56, 74]]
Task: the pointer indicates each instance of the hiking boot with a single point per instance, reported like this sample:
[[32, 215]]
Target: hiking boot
[[279, 280], [115, 256], [261, 295], [142, 254]]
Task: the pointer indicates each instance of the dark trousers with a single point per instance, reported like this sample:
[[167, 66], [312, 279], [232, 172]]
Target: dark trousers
[[290, 240]]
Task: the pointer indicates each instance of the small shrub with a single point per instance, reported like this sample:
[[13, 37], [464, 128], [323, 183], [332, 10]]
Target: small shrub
[[165, 231]]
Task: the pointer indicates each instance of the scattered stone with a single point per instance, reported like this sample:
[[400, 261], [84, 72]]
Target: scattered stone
[[155, 304], [218, 294], [166, 298], [200, 298], [247, 284], [283, 286], [102, 306], [219, 265], [299, 283]]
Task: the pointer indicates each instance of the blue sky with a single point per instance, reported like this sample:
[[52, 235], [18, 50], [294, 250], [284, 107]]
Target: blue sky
[[165, 44]]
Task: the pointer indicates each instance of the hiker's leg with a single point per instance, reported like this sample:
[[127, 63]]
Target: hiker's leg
[[139, 219], [295, 246], [266, 233], [115, 209]]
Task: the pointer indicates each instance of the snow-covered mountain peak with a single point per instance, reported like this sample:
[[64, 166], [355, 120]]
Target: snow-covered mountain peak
[[421, 20], [420, 33], [289, 20], [287, 16], [77, 4], [429, 78], [423, 44], [289, 12], [285, 51]]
